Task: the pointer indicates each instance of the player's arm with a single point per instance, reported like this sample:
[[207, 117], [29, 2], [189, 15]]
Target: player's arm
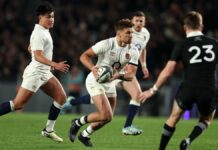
[[162, 78], [86, 58], [165, 74], [142, 60], [61, 66]]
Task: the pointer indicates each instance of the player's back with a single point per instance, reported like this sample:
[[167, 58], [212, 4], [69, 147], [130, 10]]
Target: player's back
[[199, 56]]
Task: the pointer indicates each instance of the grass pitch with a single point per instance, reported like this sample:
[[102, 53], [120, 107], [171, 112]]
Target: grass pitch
[[21, 131]]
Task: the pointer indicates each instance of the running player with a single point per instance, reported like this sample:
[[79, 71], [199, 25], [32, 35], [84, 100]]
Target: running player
[[37, 74], [116, 52], [140, 39], [199, 55]]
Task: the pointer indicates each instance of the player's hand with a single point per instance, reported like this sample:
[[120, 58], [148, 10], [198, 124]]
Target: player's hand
[[145, 72], [61, 66], [95, 71], [145, 95], [115, 74]]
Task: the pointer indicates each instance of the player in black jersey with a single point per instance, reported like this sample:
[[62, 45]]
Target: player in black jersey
[[199, 54]]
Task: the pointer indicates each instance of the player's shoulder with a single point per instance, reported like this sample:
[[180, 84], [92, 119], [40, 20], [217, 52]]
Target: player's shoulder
[[145, 31], [108, 41], [37, 31]]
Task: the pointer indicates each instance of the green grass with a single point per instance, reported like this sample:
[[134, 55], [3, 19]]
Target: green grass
[[21, 131]]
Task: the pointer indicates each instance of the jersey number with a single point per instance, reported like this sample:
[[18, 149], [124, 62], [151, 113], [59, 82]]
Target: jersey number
[[196, 59]]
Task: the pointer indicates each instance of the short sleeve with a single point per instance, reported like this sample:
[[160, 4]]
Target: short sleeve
[[176, 53], [147, 39], [101, 47], [134, 57], [37, 42]]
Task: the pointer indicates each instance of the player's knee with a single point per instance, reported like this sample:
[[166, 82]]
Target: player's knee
[[61, 99], [106, 117], [173, 119]]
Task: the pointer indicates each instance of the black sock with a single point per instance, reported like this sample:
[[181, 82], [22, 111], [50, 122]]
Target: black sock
[[166, 135], [198, 129], [132, 110], [5, 108], [86, 99], [54, 112]]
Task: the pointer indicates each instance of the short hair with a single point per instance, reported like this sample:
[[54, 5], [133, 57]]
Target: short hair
[[138, 14], [193, 20], [122, 24], [44, 8]]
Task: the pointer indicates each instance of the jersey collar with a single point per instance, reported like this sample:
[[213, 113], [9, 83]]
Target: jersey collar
[[194, 33]]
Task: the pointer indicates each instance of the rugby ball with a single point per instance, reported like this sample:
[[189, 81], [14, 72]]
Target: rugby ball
[[105, 73]]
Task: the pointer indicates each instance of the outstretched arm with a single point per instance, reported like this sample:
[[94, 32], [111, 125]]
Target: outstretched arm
[[162, 78]]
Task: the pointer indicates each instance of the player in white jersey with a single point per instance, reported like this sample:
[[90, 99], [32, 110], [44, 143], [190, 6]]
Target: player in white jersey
[[116, 52], [37, 74], [140, 38]]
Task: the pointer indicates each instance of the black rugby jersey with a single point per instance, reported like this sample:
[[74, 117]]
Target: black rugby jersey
[[199, 55]]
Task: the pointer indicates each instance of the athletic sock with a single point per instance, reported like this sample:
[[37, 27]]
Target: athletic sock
[[132, 111], [53, 114], [88, 131], [86, 99], [198, 129], [81, 121], [166, 135], [6, 107]]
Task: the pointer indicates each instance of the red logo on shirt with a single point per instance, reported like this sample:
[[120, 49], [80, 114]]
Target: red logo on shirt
[[127, 55]]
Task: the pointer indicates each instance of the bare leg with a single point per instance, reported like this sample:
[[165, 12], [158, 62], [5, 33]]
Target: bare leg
[[54, 89]]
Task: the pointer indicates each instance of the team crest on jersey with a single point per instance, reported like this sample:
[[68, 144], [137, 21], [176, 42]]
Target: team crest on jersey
[[127, 56]]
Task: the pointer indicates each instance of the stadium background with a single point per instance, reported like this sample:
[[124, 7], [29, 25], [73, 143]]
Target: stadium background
[[81, 23]]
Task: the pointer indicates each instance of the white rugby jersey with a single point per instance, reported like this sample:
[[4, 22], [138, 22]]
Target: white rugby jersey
[[140, 39], [111, 54], [41, 40]]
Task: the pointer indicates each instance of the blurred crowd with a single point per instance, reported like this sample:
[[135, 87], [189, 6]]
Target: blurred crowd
[[81, 23]]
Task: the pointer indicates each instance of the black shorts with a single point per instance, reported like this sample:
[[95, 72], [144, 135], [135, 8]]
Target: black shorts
[[204, 98]]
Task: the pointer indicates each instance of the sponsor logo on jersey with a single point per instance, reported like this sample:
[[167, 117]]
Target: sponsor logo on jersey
[[112, 53]]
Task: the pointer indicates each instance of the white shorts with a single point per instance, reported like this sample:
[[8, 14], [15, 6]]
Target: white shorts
[[94, 88], [117, 81], [33, 79]]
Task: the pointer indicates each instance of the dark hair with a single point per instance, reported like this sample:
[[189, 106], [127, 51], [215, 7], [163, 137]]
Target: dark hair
[[193, 20], [138, 14], [122, 24], [44, 8]]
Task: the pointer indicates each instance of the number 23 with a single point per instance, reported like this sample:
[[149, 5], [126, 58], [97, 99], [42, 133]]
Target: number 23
[[195, 59]]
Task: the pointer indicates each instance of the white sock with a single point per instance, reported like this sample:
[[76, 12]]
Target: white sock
[[88, 131], [134, 102], [50, 125], [12, 105]]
